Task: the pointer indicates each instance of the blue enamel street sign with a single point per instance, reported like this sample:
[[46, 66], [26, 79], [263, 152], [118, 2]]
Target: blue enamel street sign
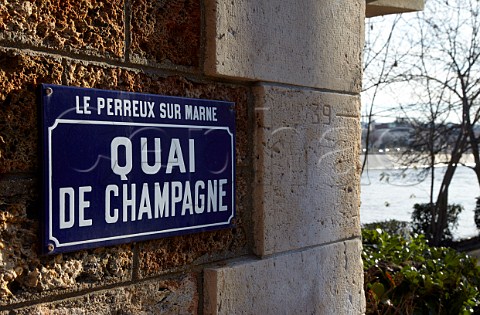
[[121, 167]]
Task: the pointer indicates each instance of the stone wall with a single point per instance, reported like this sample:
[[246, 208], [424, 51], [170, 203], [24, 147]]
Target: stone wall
[[294, 72]]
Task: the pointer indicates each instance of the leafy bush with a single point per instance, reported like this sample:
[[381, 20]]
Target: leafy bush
[[477, 213], [409, 277], [390, 226], [422, 220]]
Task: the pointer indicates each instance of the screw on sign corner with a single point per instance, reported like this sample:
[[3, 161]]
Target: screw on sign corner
[[48, 91]]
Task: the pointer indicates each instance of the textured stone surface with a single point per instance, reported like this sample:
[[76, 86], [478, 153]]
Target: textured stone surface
[[175, 296], [93, 27], [317, 44], [19, 75], [169, 254], [307, 168], [25, 275], [166, 32], [320, 280]]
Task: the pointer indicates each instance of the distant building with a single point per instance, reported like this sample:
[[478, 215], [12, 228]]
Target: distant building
[[388, 136]]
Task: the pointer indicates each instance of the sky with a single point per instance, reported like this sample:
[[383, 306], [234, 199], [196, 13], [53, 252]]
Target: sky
[[378, 30], [392, 46]]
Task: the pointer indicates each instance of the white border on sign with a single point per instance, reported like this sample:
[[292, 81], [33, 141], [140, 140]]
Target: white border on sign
[[115, 123]]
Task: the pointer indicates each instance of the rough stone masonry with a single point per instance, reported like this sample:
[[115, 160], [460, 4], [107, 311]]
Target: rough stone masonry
[[293, 71]]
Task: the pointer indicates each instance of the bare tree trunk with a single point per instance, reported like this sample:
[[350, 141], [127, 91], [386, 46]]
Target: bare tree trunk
[[475, 151], [440, 211]]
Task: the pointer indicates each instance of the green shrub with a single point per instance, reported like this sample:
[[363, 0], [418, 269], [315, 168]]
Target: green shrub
[[422, 220], [409, 277], [477, 213], [392, 226]]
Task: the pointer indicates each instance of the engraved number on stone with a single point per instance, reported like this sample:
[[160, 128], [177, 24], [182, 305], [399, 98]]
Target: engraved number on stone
[[327, 113]]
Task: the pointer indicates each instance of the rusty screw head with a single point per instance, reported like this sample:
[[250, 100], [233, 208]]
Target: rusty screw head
[[50, 247], [48, 91]]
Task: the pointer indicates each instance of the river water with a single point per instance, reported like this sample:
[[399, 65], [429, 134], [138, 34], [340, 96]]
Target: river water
[[382, 200]]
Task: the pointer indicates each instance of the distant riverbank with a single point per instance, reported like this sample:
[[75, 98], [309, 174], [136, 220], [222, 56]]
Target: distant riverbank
[[385, 161]]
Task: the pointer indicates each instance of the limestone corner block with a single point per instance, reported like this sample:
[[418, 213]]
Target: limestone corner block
[[320, 280], [316, 44], [306, 168]]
